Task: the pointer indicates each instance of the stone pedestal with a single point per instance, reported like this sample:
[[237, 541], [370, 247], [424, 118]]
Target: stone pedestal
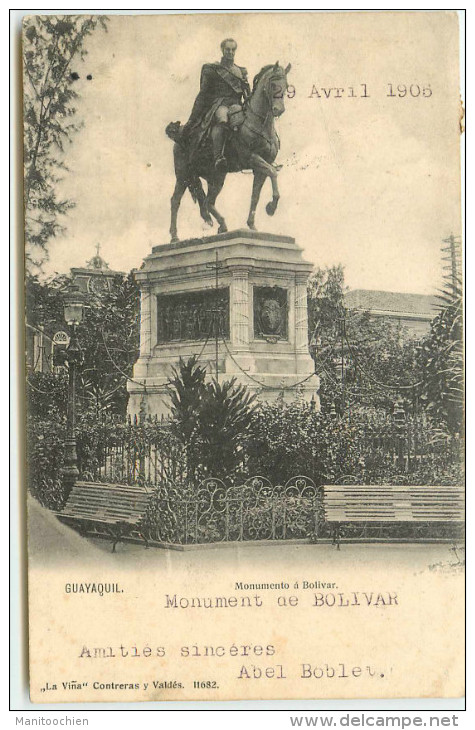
[[257, 305]]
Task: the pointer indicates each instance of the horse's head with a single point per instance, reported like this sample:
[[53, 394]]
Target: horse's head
[[172, 130], [271, 84]]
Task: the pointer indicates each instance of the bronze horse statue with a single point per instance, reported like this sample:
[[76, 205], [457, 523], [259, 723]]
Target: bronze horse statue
[[251, 146]]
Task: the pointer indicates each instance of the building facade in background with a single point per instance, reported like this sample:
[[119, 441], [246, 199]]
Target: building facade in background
[[414, 312], [94, 279]]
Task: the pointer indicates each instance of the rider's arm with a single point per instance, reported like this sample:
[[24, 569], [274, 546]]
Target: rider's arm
[[206, 79], [245, 85], [201, 101]]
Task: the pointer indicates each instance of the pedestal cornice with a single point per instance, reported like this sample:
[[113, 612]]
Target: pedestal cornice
[[242, 233]]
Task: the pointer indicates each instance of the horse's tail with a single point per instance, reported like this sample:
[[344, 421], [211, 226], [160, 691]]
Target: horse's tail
[[173, 130], [194, 186]]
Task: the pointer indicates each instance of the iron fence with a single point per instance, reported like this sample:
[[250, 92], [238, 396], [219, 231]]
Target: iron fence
[[139, 451], [248, 511], [146, 451], [408, 444]]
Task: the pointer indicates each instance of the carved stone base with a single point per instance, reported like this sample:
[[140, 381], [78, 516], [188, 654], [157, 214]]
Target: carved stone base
[[257, 312]]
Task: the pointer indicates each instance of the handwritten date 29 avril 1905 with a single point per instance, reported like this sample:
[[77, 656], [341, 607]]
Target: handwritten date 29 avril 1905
[[358, 91]]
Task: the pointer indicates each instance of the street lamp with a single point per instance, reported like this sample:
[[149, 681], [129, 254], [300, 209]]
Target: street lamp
[[73, 303]]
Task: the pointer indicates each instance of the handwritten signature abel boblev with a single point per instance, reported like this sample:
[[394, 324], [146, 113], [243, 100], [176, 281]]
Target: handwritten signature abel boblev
[[249, 652]]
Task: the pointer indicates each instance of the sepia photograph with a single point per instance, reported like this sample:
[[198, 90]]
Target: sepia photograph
[[244, 369]]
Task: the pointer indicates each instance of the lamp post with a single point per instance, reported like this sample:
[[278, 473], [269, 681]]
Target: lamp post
[[73, 314]]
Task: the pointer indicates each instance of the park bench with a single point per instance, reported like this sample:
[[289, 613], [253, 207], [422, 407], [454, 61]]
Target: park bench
[[113, 511], [355, 503]]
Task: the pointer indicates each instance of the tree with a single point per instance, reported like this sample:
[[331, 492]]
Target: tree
[[441, 361], [212, 420], [326, 303], [50, 46], [108, 336], [187, 385], [380, 363], [225, 419]]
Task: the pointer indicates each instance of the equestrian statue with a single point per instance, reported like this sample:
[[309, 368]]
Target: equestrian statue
[[230, 129]]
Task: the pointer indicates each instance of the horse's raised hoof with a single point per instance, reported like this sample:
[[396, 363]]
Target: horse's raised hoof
[[223, 228], [206, 215], [270, 208]]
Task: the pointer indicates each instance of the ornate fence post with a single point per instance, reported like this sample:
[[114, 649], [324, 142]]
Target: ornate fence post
[[400, 423], [141, 439]]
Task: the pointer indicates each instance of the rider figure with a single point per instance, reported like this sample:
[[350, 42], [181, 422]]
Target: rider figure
[[222, 85]]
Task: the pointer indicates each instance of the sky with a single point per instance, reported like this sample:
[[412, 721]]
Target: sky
[[370, 181]]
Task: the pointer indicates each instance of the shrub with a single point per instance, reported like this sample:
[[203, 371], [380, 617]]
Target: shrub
[[211, 420], [45, 453], [285, 440]]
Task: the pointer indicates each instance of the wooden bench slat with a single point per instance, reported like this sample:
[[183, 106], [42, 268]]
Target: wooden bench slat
[[112, 512], [109, 513], [408, 517], [99, 507], [98, 504], [107, 497], [391, 488], [110, 485], [392, 503], [91, 503], [128, 490], [94, 508], [394, 496], [97, 518]]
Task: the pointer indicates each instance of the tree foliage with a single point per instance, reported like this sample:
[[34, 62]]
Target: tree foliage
[[326, 304], [363, 361], [51, 44], [187, 386], [212, 419], [224, 423], [108, 336], [294, 438], [442, 362]]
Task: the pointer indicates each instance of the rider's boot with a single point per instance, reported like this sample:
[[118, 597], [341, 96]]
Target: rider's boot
[[218, 137]]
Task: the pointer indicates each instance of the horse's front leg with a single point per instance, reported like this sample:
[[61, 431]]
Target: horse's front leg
[[260, 165], [271, 207], [257, 184], [175, 201]]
